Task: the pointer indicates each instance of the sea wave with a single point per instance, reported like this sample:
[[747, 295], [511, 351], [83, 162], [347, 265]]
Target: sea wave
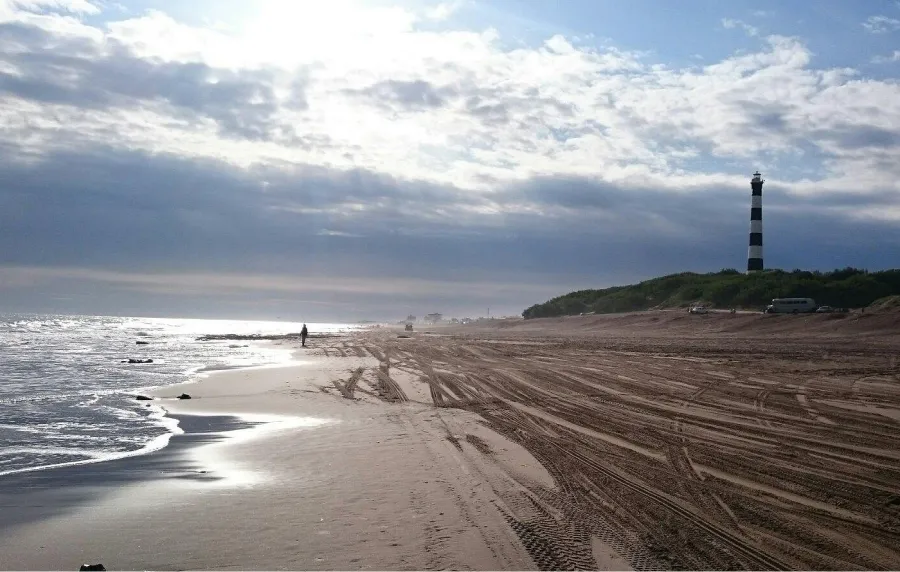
[[66, 397]]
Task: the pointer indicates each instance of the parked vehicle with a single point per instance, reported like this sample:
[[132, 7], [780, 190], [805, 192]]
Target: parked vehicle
[[825, 310], [791, 306], [698, 310]]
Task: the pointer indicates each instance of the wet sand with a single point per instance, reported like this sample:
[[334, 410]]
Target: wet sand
[[321, 482], [646, 441], [28, 497]]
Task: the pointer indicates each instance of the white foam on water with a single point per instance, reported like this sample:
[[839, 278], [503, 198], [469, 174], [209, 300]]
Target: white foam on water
[[64, 385], [154, 444]]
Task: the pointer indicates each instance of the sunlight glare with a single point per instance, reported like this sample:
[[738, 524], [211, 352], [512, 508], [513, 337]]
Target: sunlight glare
[[303, 15], [296, 30]]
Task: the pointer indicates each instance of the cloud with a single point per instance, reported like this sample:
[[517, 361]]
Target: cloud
[[198, 284], [407, 95], [881, 24], [447, 106], [730, 24], [43, 6], [894, 57], [171, 215], [109, 76], [348, 153], [444, 10], [329, 232]]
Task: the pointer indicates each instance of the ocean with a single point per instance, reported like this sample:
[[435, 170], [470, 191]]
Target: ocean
[[67, 398]]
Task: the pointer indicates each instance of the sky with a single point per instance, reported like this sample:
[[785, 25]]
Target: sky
[[367, 159]]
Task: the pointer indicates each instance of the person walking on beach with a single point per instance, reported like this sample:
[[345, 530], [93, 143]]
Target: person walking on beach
[[303, 333]]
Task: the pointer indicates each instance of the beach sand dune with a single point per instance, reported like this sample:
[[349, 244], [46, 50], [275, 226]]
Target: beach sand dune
[[519, 448]]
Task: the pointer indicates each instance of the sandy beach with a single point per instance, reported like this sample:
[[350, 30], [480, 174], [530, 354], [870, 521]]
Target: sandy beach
[[319, 482], [624, 442]]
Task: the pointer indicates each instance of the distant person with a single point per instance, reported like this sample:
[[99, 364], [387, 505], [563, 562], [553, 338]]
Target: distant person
[[303, 333]]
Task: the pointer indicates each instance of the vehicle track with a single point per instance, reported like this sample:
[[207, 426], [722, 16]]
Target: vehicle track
[[626, 426]]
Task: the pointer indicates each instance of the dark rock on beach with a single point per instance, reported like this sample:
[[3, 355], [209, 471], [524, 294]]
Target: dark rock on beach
[[143, 398], [92, 567], [142, 343], [138, 360], [184, 396]]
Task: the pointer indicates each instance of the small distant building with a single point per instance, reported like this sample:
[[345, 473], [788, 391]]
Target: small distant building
[[433, 318], [411, 319]]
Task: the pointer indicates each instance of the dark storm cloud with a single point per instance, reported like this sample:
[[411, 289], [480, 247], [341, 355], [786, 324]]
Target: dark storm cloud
[[120, 209], [128, 210], [148, 214], [90, 75], [580, 193], [855, 137]]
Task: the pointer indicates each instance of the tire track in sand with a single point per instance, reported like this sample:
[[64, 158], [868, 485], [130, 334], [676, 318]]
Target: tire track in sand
[[592, 412]]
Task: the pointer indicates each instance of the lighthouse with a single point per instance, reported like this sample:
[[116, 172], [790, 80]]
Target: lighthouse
[[755, 252]]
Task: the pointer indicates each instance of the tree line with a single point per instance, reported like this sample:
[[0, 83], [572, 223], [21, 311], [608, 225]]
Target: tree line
[[728, 288]]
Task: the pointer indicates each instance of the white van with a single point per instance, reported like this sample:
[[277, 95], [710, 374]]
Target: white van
[[791, 306]]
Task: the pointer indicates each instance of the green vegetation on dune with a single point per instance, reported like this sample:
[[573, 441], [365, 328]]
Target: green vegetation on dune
[[886, 303], [847, 288]]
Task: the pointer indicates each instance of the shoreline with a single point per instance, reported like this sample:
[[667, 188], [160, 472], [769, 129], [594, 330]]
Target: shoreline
[[68, 492], [152, 446], [162, 414], [55, 491], [318, 482], [538, 446]]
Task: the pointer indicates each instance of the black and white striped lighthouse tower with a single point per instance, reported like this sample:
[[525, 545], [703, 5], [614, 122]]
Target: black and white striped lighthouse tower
[[755, 252]]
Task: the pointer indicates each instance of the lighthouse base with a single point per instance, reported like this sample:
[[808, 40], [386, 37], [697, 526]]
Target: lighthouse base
[[754, 264]]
